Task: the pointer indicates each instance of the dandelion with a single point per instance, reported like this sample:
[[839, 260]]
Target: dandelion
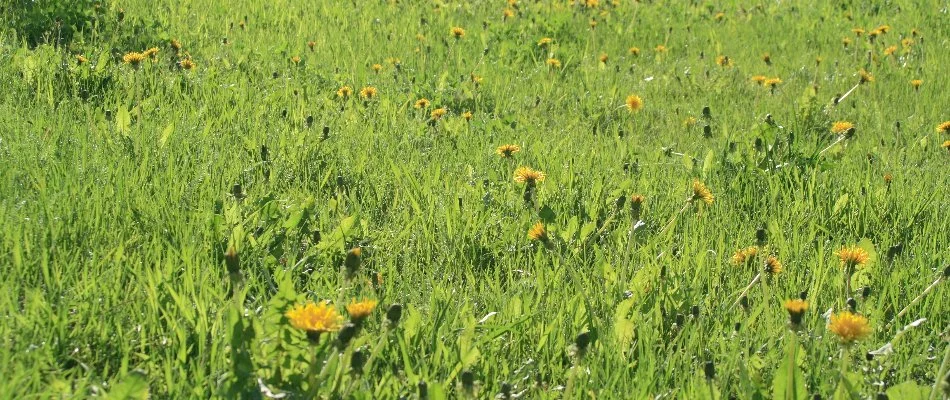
[[689, 122], [841, 127], [467, 115], [377, 68], [175, 45], [767, 59], [593, 23], [315, 319], [476, 79], [295, 60], [883, 28], [866, 76], [660, 48], [438, 113], [873, 34], [890, 51], [916, 83], [946, 145], [719, 16], [603, 58], [353, 260], [80, 59], [743, 256], [759, 79], [723, 61], [852, 257], [772, 82], [636, 205], [344, 92], [944, 127], [773, 266], [457, 32], [858, 31], [591, 3], [634, 103], [359, 310], [368, 92], [846, 41], [818, 60], [701, 192], [311, 44], [506, 151], [796, 309], [539, 233], [849, 327], [545, 41], [133, 58], [634, 51], [554, 63], [528, 176], [186, 64], [888, 178], [422, 103], [507, 13], [907, 42], [151, 53]]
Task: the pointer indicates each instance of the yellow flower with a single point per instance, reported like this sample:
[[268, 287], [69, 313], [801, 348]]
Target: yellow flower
[[528, 176], [890, 50], [311, 44], [660, 48], [554, 63], [635, 51], [295, 59], [772, 82], [723, 61], [916, 83], [760, 79], [538, 232], [508, 13], [840, 127], [701, 192], [344, 92], [603, 58], [315, 318], [719, 16], [591, 3], [849, 327], [907, 42], [773, 266], [858, 31], [545, 41], [438, 113], [152, 52], [743, 256], [767, 58], [634, 103], [358, 311], [186, 64], [476, 79], [457, 32], [865, 76], [80, 59], [946, 145], [944, 127], [846, 41], [689, 121], [467, 115], [377, 68], [796, 308], [133, 58], [852, 257], [368, 92], [422, 103], [883, 28], [176, 45], [507, 150]]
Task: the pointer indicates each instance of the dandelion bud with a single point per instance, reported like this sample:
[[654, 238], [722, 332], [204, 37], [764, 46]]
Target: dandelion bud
[[326, 132], [357, 361], [423, 389], [946, 272], [695, 311], [710, 370], [394, 313], [237, 191], [760, 236], [707, 113], [347, 333], [505, 390], [309, 121], [316, 237], [744, 302], [233, 261], [865, 292], [707, 131], [869, 356], [620, 201], [803, 294], [737, 326], [881, 396], [265, 153], [352, 261], [582, 341], [852, 304], [636, 206], [680, 319], [468, 380]]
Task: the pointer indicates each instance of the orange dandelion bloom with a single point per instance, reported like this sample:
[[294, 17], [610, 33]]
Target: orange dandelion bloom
[[368, 92], [554, 63], [506, 151], [422, 103], [849, 327], [701, 192], [344, 92], [359, 310], [528, 175], [635, 51], [852, 257], [457, 32], [538, 232], [944, 127], [743, 256], [840, 127], [315, 318], [634, 103], [438, 113]]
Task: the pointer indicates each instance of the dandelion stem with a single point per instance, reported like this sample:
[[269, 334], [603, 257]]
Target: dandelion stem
[[746, 290], [840, 99], [839, 140], [916, 300], [673, 219], [941, 373]]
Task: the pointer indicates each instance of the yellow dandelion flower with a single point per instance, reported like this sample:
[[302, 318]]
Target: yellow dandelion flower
[[849, 327], [538, 232], [344, 92], [133, 58], [438, 113], [890, 50], [152, 52], [467, 115], [874, 33], [528, 175], [701, 192], [554, 63], [852, 257], [759, 79], [507, 150], [944, 127], [846, 41], [359, 310], [796, 309], [634, 103], [420, 37], [689, 122], [858, 31], [591, 3], [772, 82], [186, 64], [457, 32], [946, 145], [476, 79], [907, 42], [883, 28], [422, 103], [865, 76], [507, 13], [315, 318], [635, 51], [545, 41], [603, 58], [80, 59], [377, 68], [175, 44], [311, 44], [743, 256], [719, 16], [773, 266], [368, 92], [840, 127], [660, 48], [295, 59], [724, 61]]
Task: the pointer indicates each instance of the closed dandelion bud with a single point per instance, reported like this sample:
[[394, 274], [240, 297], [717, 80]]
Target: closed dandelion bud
[[760, 236], [347, 333], [881, 396], [636, 206], [865, 292], [736, 326], [710, 370], [695, 311], [852, 304], [423, 389], [707, 113], [352, 261], [265, 153], [744, 302], [468, 380], [505, 390], [582, 341], [275, 75], [707, 131], [803, 294], [680, 319], [237, 191], [309, 121], [326, 132], [394, 313], [232, 261], [946, 272], [620, 201], [868, 356], [357, 361]]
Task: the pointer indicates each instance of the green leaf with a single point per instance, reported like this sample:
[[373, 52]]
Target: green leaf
[[908, 390], [840, 204], [132, 386], [166, 133], [123, 120], [789, 382]]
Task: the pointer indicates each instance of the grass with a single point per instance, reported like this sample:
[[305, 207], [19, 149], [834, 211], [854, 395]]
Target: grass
[[123, 188]]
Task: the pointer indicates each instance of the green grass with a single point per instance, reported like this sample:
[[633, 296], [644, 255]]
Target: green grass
[[117, 205]]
